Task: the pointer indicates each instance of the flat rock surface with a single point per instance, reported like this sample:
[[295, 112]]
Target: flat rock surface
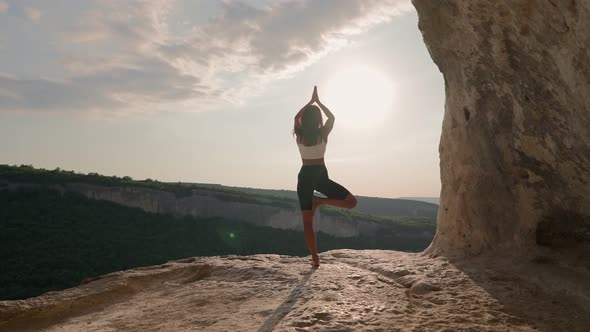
[[353, 290]]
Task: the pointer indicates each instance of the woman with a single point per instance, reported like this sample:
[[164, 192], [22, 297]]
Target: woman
[[312, 137]]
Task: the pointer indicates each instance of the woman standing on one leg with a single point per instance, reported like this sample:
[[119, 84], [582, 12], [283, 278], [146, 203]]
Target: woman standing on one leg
[[312, 137]]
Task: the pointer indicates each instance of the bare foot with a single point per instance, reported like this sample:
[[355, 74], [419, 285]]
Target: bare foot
[[316, 260]]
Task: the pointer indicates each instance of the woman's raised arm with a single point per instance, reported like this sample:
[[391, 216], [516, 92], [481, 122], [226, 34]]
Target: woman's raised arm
[[313, 98], [301, 110], [326, 110], [327, 128]]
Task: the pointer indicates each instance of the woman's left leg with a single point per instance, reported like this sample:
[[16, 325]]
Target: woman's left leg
[[336, 195], [348, 202]]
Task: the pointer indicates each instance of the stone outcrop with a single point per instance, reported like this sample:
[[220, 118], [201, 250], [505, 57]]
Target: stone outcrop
[[353, 290], [515, 144]]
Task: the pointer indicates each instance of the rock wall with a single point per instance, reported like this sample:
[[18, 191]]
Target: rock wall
[[515, 143], [205, 203]]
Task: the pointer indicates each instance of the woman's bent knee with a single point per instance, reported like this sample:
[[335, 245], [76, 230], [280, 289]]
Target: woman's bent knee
[[352, 201]]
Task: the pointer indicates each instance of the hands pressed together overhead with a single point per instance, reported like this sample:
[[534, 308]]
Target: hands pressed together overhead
[[314, 97]]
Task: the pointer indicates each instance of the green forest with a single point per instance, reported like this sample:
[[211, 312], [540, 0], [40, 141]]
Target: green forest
[[52, 241]]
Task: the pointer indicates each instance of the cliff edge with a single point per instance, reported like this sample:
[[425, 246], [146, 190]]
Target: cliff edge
[[353, 290]]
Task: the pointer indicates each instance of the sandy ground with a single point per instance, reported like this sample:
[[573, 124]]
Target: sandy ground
[[353, 290]]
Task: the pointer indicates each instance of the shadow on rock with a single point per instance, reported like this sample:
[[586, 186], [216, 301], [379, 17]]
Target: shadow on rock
[[282, 310], [543, 292]]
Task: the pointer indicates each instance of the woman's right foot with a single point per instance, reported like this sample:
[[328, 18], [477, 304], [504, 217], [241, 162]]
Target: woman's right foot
[[316, 260]]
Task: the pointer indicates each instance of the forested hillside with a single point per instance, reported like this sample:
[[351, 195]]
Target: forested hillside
[[51, 240]]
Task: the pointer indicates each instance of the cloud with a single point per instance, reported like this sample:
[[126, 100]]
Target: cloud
[[3, 7], [137, 22], [148, 82], [33, 14], [123, 56], [277, 40]]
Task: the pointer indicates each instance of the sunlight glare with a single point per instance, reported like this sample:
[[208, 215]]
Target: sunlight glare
[[359, 96]]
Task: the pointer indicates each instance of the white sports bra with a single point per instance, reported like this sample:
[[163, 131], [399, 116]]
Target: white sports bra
[[314, 151]]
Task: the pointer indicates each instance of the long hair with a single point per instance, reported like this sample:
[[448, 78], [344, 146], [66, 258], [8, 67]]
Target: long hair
[[307, 126]]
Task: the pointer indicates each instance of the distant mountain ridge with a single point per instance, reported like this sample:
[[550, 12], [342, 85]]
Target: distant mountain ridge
[[433, 200], [403, 206], [257, 206]]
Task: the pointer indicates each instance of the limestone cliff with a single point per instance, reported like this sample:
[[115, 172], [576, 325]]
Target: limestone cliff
[[204, 203], [515, 145]]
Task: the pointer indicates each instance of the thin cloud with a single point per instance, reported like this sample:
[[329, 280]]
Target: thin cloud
[[147, 83], [277, 40], [135, 22], [33, 14], [137, 63], [3, 7]]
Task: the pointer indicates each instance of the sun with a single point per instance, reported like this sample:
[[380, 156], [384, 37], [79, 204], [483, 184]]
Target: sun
[[359, 96]]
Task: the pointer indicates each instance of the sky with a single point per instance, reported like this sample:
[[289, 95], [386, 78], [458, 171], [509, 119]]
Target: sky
[[205, 91]]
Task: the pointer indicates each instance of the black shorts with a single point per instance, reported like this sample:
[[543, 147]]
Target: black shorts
[[315, 177]]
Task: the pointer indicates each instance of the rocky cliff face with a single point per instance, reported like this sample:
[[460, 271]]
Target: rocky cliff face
[[205, 203], [515, 145]]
